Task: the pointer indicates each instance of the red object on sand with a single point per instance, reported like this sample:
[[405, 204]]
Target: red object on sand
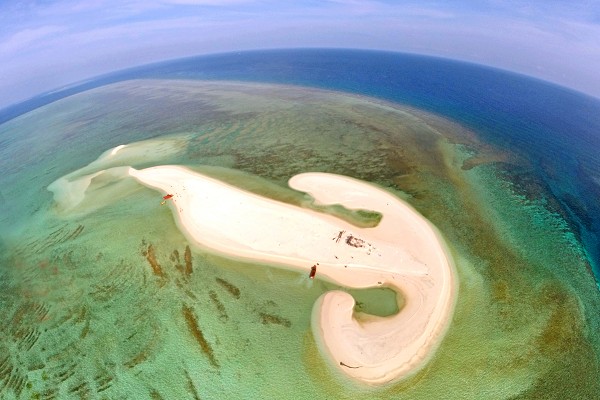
[[167, 197], [313, 271]]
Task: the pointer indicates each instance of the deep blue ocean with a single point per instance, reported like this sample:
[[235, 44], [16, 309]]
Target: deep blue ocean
[[556, 129]]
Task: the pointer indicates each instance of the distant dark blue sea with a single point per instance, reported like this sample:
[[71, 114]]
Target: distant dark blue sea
[[556, 129]]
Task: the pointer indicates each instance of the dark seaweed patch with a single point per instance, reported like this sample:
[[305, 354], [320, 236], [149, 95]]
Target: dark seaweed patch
[[56, 237], [83, 390], [194, 328], [190, 385], [151, 257], [187, 256], [103, 382], [274, 319], [220, 307], [175, 256], [11, 377], [234, 290]]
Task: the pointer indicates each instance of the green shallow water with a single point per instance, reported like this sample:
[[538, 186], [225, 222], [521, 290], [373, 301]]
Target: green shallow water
[[100, 302]]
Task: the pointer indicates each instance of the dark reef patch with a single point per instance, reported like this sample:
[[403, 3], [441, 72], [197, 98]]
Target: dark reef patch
[[194, 329], [187, 256], [150, 255], [273, 319], [229, 287], [219, 305]]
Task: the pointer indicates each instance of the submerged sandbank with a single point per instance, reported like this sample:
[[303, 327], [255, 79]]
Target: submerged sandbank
[[403, 252]]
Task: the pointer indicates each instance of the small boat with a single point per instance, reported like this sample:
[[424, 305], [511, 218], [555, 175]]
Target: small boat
[[313, 272], [165, 198]]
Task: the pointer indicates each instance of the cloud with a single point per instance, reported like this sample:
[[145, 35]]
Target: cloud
[[27, 38], [208, 2], [381, 8]]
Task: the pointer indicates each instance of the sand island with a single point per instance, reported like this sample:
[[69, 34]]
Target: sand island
[[403, 252]]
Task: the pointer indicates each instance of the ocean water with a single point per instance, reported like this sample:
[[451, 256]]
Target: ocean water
[[551, 132], [102, 302]]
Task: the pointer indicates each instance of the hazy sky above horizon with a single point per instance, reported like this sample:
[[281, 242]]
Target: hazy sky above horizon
[[47, 44]]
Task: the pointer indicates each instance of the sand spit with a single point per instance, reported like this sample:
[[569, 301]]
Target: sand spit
[[403, 252]]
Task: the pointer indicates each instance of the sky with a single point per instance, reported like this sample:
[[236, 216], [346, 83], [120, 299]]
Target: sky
[[47, 44]]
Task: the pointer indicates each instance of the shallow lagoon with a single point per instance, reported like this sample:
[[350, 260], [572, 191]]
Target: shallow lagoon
[[89, 315]]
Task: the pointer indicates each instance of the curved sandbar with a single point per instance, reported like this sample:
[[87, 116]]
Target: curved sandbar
[[403, 252]]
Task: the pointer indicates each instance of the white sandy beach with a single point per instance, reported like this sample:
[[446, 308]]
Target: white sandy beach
[[404, 252]]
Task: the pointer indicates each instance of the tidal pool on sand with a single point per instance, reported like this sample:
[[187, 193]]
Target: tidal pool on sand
[[112, 301]]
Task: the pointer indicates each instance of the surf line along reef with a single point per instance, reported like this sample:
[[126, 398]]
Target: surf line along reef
[[403, 252]]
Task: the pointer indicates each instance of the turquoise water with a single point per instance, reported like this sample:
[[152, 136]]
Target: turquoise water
[[102, 302]]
